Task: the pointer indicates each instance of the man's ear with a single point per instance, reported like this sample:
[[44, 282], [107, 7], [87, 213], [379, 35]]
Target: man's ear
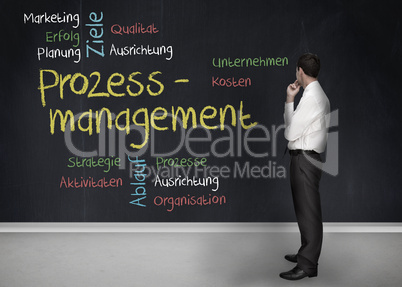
[[301, 71]]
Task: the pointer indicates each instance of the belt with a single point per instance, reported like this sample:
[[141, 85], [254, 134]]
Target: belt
[[301, 151]]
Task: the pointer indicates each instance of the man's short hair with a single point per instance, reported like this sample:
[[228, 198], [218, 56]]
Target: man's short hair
[[310, 63]]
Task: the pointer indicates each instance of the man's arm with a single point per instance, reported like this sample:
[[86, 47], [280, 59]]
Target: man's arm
[[297, 121], [291, 92]]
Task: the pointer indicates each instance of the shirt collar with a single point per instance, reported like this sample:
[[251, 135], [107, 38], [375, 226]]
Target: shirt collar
[[310, 86]]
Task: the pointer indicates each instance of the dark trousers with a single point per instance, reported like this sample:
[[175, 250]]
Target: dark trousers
[[304, 180]]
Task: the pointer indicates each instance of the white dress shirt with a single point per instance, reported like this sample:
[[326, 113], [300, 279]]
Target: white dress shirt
[[307, 126]]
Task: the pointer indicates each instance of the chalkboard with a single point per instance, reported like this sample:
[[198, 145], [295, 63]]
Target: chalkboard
[[172, 111]]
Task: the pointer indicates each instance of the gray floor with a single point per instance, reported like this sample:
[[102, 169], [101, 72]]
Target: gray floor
[[193, 259]]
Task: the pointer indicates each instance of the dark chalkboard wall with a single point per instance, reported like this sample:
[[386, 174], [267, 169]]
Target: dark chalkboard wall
[[359, 43]]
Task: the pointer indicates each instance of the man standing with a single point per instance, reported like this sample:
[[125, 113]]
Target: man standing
[[306, 131]]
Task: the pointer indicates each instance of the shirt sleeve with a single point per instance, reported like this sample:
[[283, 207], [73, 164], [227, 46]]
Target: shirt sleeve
[[289, 108], [296, 121]]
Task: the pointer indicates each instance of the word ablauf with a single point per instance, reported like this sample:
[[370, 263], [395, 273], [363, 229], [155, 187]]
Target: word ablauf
[[140, 192]]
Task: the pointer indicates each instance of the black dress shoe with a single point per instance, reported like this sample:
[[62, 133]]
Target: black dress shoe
[[291, 258], [294, 274]]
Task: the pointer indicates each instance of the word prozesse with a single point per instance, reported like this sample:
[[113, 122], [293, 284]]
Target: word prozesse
[[180, 162], [114, 80]]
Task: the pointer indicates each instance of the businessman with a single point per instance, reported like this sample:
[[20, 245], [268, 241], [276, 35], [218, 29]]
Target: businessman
[[306, 131]]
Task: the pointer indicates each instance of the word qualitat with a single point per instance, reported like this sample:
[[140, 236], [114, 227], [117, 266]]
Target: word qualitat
[[137, 28]]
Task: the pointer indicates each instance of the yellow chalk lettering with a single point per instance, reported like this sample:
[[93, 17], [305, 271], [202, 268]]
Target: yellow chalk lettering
[[62, 82], [63, 120], [99, 117], [157, 82], [131, 79], [223, 114], [242, 118], [111, 84], [204, 116], [42, 86], [145, 124], [184, 117], [127, 124], [88, 115], [84, 85], [158, 118], [91, 92]]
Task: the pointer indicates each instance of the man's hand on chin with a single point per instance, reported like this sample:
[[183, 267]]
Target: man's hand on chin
[[292, 91]]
